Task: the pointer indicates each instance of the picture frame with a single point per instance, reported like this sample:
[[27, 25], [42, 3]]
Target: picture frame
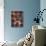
[[17, 18]]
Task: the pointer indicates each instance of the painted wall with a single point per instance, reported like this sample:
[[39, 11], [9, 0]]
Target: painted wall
[[29, 7], [43, 6]]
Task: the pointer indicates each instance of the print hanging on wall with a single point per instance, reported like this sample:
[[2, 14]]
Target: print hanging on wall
[[17, 18]]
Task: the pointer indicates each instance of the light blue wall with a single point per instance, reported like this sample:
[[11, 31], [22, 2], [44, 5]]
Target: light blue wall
[[29, 7], [43, 6]]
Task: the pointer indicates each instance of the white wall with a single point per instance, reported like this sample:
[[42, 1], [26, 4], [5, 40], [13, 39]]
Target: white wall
[[1, 20]]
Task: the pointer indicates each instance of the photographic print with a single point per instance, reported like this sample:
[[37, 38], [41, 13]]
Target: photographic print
[[17, 18]]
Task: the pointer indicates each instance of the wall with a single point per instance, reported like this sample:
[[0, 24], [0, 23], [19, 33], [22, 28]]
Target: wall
[[29, 7], [43, 6], [1, 20]]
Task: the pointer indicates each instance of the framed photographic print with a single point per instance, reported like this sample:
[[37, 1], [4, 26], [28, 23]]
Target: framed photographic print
[[17, 18]]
